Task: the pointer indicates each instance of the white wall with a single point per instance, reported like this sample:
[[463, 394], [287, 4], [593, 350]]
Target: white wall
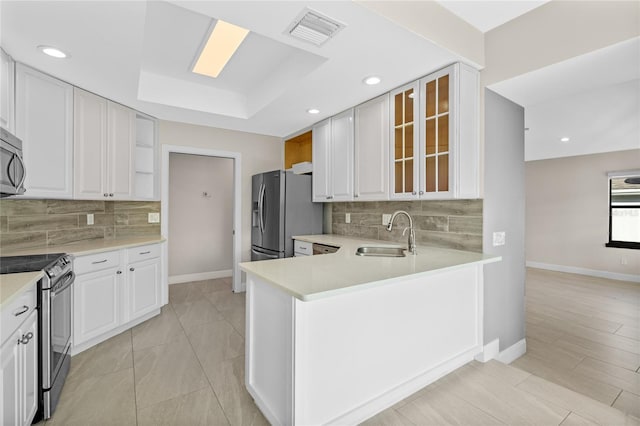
[[259, 153], [200, 227], [567, 216]]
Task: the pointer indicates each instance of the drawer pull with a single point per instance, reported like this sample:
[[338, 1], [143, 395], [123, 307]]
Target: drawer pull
[[145, 252], [132, 269], [22, 310], [98, 261]]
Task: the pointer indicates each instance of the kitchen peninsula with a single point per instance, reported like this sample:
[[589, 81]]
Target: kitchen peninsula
[[336, 338]]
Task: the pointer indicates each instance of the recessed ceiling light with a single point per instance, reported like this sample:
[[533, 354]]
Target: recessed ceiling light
[[53, 52], [223, 42], [565, 139], [313, 111], [371, 81]]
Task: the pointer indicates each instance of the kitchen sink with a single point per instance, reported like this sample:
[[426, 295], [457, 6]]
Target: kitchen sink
[[380, 251]]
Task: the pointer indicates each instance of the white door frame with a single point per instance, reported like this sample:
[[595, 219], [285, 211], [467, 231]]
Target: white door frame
[[237, 231]]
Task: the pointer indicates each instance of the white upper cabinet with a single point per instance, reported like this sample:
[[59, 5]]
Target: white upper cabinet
[[321, 154], [44, 123], [333, 158], [104, 135], [7, 91], [434, 142], [121, 134], [371, 165]]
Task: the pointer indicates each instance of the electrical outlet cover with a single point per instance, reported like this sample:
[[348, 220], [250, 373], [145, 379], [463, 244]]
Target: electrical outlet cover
[[385, 219], [90, 219], [499, 238], [154, 218], [347, 218]]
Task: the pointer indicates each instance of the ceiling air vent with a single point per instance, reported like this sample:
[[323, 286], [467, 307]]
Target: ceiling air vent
[[312, 27]]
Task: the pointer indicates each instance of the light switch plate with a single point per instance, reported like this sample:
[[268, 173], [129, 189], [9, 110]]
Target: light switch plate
[[90, 219], [154, 218], [385, 219], [347, 218], [499, 238]]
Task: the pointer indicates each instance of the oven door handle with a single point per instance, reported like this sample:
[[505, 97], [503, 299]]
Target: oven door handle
[[69, 279]]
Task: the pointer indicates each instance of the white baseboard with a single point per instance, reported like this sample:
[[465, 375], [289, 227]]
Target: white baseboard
[[513, 352], [584, 271], [201, 276], [490, 351]]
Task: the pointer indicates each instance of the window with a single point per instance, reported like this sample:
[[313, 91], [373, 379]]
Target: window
[[624, 210]]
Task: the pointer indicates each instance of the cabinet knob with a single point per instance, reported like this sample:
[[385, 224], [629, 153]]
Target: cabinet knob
[[110, 195], [355, 195], [132, 269], [413, 193], [421, 192], [106, 195], [25, 338], [118, 272], [329, 197]]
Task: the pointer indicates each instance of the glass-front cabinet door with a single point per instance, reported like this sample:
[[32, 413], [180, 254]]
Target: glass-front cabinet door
[[404, 135], [437, 133], [422, 148]]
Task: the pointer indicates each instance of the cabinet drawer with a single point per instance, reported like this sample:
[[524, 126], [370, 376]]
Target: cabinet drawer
[[137, 254], [302, 247], [96, 262], [16, 312]]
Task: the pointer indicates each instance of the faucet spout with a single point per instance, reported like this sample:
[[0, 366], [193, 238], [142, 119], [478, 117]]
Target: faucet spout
[[411, 243]]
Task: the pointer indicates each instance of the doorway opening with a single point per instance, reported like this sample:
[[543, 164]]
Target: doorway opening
[[201, 207]]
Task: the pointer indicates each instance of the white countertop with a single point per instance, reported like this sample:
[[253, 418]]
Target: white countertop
[[315, 277], [87, 247], [12, 285]]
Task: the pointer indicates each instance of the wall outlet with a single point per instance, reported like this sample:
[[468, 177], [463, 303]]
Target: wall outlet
[[499, 238], [347, 218], [154, 218], [386, 218], [89, 218]]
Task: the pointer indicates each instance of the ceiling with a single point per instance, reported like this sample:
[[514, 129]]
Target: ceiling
[[140, 54], [594, 99]]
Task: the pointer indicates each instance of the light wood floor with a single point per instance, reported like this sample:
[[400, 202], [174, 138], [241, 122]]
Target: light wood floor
[[186, 367], [583, 333]]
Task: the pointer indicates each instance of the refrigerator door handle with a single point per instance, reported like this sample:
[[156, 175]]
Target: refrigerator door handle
[[263, 189], [260, 208]]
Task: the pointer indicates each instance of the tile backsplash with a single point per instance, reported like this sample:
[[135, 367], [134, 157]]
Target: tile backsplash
[[455, 224], [39, 223]]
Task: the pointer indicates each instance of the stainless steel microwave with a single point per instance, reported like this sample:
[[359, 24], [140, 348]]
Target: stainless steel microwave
[[13, 171]]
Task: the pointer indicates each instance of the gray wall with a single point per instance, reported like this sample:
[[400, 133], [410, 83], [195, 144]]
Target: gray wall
[[200, 237], [504, 210]]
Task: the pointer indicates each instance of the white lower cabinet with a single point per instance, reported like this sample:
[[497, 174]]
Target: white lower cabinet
[[96, 304], [114, 291], [144, 287], [19, 374]]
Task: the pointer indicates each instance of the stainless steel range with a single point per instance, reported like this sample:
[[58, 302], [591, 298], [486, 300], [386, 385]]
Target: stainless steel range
[[55, 291]]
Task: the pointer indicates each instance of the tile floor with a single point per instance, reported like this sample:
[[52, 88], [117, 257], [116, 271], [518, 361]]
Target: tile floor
[[183, 367], [186, 367], [583, 333]]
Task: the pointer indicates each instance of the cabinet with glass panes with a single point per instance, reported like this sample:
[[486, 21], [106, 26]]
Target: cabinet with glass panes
[[434, 141]]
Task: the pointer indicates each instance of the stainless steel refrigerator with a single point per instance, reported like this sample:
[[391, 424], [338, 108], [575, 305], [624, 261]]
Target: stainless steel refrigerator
[[281, 208]]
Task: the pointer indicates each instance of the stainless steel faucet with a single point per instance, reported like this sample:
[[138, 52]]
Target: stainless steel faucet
[[411, 244]]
